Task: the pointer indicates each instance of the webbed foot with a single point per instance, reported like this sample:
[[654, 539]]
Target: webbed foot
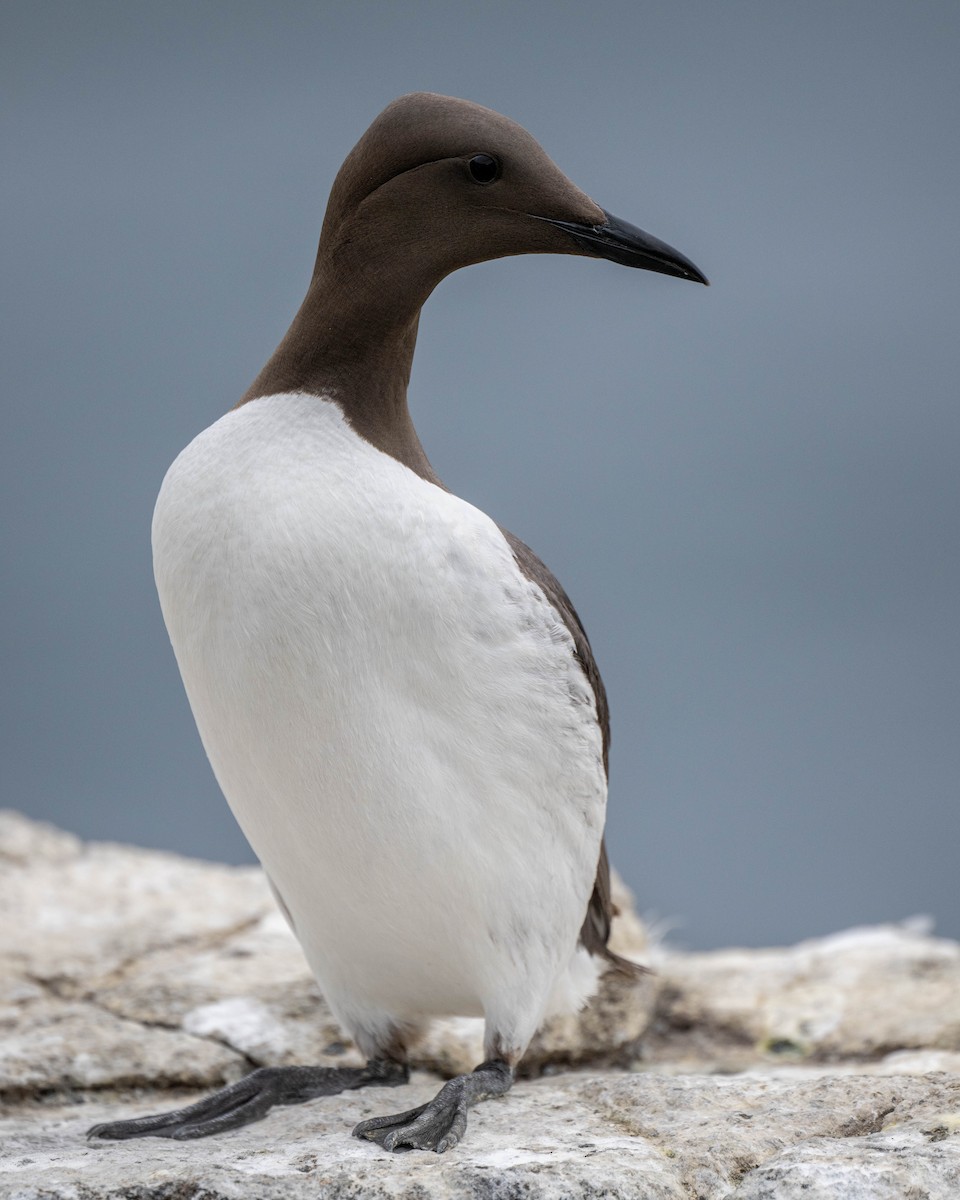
[[441, 1123], [251, 1098]]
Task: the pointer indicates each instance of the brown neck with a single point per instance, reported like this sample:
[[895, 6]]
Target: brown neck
[[349, 344]]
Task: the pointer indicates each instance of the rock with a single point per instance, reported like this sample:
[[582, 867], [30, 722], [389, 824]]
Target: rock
[[71, 909], [251, 990], [57, 1045], [129, 979], [625, 1136], [749, 1130], [859, 994]]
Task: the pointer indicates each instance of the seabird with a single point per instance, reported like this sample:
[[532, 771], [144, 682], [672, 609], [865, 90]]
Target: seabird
[[397, 697]]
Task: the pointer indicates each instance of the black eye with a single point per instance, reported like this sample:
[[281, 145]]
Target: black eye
[[483, 168]]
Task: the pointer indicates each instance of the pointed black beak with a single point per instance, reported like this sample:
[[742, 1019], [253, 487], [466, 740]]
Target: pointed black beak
[[624, 243]]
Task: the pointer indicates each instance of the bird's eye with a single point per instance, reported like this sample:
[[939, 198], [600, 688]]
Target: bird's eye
[[483, 168]]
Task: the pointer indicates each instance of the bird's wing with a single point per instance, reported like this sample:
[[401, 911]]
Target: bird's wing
[[600, 911]]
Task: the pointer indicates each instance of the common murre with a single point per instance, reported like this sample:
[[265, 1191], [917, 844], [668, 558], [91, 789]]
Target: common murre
[[397, 697]]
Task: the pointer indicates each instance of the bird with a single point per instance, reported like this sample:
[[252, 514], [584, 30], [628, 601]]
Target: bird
[[397, 697]]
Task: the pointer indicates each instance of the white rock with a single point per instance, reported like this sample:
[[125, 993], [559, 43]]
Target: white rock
[[567, 1137], [862, 993], [68, 909], [57, 1045], [127, 976]]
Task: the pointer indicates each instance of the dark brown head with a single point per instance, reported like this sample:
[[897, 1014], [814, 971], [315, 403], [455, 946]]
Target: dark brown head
[[438, 183]]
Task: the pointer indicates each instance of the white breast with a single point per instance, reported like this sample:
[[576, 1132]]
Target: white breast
[[393, 711]]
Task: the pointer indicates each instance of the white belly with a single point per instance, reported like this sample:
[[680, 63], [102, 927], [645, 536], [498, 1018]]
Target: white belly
[[393, 711]]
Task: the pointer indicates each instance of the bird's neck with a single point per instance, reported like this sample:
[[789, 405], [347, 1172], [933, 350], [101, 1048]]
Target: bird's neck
[[353, 343]]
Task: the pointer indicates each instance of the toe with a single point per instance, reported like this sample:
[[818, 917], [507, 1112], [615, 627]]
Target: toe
[[103, 1130], [115, 1131], [376, 1128]]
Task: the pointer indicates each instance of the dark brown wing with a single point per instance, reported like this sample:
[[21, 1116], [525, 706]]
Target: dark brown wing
[[600, 911]]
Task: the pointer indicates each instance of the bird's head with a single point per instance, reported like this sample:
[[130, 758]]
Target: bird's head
[[437, 183]]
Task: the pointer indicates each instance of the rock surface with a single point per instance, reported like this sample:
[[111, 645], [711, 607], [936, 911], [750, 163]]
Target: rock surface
[[130, 977]]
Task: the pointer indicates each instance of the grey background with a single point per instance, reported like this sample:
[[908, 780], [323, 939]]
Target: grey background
[[751, 491]]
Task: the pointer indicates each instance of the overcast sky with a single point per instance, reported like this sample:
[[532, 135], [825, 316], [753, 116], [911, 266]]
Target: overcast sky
[[750, 491]]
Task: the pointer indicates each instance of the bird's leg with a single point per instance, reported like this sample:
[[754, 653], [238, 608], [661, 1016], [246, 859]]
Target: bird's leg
[[440, 1124], [252, 1097]]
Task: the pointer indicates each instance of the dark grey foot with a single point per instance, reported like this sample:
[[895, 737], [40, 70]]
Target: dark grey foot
[[440, 1124], [251, 1098]]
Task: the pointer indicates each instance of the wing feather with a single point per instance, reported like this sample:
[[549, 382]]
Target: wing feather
[[595, 933]]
